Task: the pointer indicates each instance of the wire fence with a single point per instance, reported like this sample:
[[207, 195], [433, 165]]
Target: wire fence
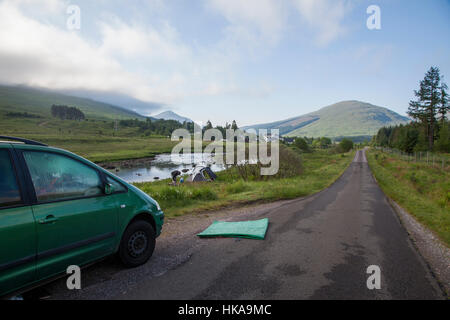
[[429, 158]]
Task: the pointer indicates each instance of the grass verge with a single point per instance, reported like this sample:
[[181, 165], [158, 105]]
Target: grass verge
[[423, 190], [320, 170]]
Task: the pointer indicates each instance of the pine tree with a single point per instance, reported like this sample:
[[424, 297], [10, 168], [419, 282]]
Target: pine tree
[[425, 108], [444, 106]]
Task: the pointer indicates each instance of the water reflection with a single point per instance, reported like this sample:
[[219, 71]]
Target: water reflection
[[164, 164]]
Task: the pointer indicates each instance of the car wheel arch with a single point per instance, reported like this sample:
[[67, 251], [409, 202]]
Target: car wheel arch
[[146, 216], [143, 218]]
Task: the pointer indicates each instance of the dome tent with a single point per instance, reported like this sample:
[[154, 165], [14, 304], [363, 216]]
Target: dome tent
[[202, 173]]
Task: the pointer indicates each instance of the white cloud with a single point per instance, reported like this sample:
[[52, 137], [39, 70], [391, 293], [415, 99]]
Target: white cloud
[[149, 61], [131, 41], [325, 16], [259, 20], [255, 21], [49, 6], [40, 54]]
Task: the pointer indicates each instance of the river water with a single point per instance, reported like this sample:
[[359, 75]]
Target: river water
[[162, 166]]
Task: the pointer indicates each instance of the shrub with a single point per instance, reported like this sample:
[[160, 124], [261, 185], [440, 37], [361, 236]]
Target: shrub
[[301, 144], [345, 145], [290, 165]]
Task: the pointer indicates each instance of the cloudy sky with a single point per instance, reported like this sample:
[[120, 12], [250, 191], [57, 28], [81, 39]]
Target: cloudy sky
[[249, 60]]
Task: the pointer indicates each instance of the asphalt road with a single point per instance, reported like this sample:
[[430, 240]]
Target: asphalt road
[[315, 248]]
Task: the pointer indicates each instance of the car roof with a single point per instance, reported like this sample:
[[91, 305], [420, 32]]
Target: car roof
[[24, 144], [21, 140], [10, 142]]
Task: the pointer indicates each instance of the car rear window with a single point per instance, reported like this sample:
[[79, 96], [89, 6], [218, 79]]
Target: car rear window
[[9, 189]]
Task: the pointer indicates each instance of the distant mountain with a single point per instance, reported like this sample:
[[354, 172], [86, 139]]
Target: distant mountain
[[116, 99], [170, 115], [346, 118], [39, 101]]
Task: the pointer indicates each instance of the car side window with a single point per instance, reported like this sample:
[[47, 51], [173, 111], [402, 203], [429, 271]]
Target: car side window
[[9, 189], [116, 186], [56, 177]]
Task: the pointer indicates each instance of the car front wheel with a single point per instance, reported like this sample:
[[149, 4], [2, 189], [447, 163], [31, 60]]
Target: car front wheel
[[138, 243]]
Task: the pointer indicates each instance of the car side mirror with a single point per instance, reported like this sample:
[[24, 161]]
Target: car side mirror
[[109, 189]]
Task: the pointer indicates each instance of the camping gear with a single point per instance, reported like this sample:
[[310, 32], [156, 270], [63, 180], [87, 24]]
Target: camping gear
[[210, 173], [202, 173], [243, 229]]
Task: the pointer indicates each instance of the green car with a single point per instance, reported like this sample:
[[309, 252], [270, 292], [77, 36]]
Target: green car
[[58, 209]]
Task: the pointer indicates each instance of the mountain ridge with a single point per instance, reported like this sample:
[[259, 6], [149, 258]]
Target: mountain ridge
[[170, 115], [34, 100], [333, 121]]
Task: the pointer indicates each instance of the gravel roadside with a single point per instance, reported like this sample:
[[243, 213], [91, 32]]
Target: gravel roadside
[[435, 254]]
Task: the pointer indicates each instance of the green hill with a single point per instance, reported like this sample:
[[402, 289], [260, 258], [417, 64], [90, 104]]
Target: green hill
[[39, 102], [26, 113], [346, 118]]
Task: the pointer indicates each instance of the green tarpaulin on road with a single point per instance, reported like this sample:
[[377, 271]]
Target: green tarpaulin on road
[[242, 229]]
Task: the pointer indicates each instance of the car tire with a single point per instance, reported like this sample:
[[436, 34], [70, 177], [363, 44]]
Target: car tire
[[137, 244]]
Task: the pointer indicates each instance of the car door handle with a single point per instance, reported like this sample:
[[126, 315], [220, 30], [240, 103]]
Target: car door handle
[[48, 219]]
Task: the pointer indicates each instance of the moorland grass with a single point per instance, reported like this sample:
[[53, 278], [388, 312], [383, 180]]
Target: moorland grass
[[423, 190]]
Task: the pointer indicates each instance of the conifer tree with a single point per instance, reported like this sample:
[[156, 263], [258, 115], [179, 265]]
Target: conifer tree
[[426, 107]]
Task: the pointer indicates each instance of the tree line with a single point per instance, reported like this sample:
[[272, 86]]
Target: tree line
[[159, 127], [429, 130], [67, 113], [306, 144], [222, 129], [22, 115]]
